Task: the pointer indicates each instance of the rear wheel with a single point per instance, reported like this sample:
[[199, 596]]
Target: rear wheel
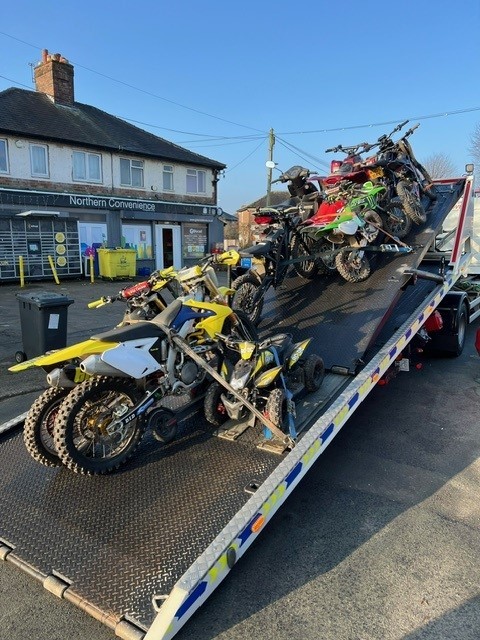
[[410, 200], [213, 406], [246, 288], [314, 372], [39, 425], [303, 246], [325, 261], [84, 436], [352, 266]]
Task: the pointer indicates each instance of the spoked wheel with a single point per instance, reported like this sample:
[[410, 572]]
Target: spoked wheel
[[395, 220], [352, 266], [325, 262], [86, 437], [314, 372], [411, 202], [246, 288], [373, 224], [303, 246], [213, 406], [39, 424]]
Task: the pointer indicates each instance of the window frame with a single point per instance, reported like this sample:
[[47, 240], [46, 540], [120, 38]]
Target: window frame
[[190, 173], [86, 155], [130, 184], [7, 162], [167, 170], [47, 167]]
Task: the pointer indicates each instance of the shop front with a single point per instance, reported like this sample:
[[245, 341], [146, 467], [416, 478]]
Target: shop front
[[161, 233]]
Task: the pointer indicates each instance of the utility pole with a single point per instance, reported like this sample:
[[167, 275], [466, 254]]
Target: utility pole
[[271, 143]]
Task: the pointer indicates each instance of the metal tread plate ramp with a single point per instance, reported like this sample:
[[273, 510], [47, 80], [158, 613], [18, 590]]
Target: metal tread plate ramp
[[112, 544]]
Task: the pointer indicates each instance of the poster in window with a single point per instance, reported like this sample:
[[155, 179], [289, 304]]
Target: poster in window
[[138, 237], [194, 240]]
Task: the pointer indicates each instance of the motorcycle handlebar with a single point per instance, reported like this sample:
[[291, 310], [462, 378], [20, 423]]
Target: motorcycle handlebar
[[99, 303]]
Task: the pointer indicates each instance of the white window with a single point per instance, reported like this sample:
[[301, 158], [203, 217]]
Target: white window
[[87, 167], [195, 181], [167, 177], [39, 160], [3, 156], [131, 172]]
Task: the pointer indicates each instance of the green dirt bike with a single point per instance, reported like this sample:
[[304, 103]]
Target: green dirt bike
[[264, 376], [342, 227]]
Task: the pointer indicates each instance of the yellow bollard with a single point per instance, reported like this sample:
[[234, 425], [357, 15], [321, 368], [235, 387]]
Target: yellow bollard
[[52, 266], [22, 271], [92, 275]]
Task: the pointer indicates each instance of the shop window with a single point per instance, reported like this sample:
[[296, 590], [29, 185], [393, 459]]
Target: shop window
[[131, 172], [3, 156], [87, 167], [138, 237], [167, 177], [39, 160], [196, 181]]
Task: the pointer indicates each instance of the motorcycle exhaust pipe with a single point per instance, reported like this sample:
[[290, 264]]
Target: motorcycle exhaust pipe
[[94, 366], [58, 378]]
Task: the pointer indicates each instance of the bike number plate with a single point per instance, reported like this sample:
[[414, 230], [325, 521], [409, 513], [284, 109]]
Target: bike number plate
[[375, 173], [246, 263]]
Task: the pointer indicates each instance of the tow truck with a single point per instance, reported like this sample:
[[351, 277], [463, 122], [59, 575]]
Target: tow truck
[[141, 550]]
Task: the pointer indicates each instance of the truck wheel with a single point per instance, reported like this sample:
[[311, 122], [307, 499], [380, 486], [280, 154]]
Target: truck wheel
[[213, 406], [246, 288], [314, 372], [276, 408], [450, 341], [81, 434], [395, 220], [461, 333], [352, 267], [411, 202], [39, 424], [307, 269]]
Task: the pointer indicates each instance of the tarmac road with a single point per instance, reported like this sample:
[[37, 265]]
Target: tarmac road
[[380, 541]]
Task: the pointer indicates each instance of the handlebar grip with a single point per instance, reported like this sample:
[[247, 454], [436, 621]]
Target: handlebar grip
[[333, 150], [96, 303]]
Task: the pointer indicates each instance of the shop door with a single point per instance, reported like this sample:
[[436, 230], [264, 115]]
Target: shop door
[[168, 246]]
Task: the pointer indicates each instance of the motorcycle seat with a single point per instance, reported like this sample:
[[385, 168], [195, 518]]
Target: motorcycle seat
[[137, 331], [260, 249], [280, 340]]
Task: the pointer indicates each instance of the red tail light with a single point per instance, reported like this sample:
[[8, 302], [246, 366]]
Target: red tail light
[[434, 322], [335, 165], [263, 219]]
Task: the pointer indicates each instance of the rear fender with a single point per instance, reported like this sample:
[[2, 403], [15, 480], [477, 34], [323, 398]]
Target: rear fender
[[76, 351]]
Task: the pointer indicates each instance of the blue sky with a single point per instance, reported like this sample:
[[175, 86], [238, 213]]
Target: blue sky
[[215, 76]]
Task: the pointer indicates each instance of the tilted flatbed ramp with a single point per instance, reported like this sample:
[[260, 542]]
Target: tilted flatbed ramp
[[117, 546]]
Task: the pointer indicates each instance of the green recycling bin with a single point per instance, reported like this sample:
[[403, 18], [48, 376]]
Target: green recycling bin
[[43, 320]]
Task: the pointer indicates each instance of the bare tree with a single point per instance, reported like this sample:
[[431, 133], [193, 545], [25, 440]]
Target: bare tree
[[439, 165], [475, 141]]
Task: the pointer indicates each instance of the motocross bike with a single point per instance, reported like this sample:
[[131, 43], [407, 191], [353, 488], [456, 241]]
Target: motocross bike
[[403, 176], [343, 227], [128, 371], [354, 169], [143, 302], [264, 376]]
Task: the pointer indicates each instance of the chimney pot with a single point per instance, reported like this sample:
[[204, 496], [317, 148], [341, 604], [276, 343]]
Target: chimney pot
[[54, 77], [44, 55]]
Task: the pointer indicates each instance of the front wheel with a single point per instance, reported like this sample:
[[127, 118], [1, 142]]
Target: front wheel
[[39, 425], [303, 246], [410, 200], [85, 437], [246, 288], [352, 266], [276, 409], [214, 409]]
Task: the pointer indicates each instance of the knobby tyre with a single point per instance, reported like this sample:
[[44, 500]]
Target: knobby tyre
[[213, 407], [276, 409], [246, 288], [352, 267], [314, 372], [39, 426], [304, 247], [395, 220], [411, 203], [81, 433]]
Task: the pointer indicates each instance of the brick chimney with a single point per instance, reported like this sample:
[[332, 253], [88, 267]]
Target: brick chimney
[[54, 76]]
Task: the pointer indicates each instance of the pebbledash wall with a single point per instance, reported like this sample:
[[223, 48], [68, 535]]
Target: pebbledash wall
[[161, 232]]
